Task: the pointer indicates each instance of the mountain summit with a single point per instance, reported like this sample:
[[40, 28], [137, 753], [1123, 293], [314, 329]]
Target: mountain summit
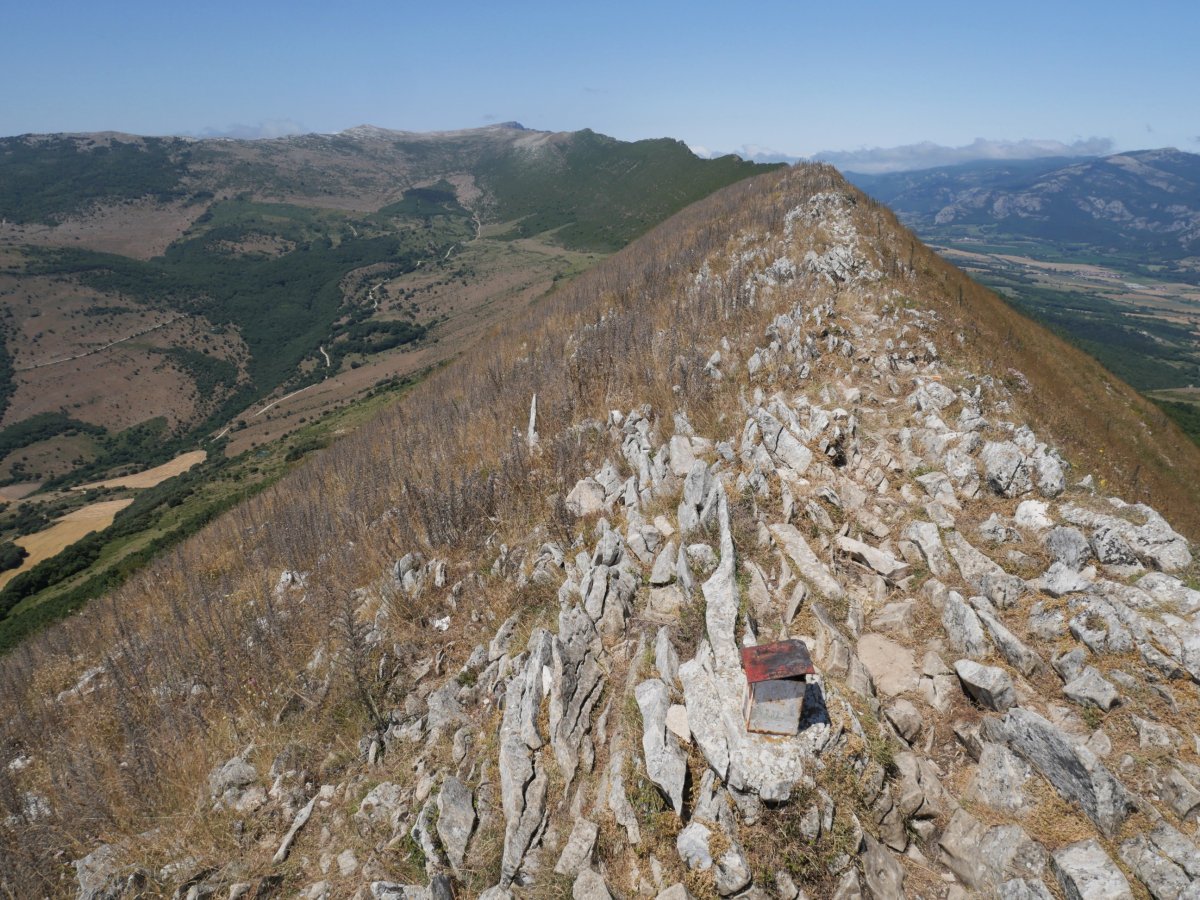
[[494, 645]]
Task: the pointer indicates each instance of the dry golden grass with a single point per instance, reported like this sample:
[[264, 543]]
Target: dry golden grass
[[202, 655]]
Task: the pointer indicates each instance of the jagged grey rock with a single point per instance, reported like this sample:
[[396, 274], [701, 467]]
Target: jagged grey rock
[[1015, 652], [692, 844], [230, 777], [1173, 844], [928, 539], [982, 573], [987, 685], [1153, 542], [1005, 468], [1162, 877], [502, 642], [1181, 794], [666, 660], [523, 779], [1033, 515], [905, 718], [1085, 872], [1090, 688], [1069, 546], [618, 800], [663, 572], [1072, 770], [577, 852], [586, 498], [98, 875], [456, 819], [883, 875], [1000, 779], [392, 890], [576, 685], [964, 631], [811, 569], [1025, 889], [589, 886], [666, 763], [675, 892], [782, 444], [938, 684], [848, 887], [380, 807], [878, 560], [983, 857]]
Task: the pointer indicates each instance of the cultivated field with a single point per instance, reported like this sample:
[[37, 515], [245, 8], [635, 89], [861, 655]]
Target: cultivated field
[[151, 477], [65, 532]]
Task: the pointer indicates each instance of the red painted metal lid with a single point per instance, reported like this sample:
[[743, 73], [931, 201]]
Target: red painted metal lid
[[782, 659]]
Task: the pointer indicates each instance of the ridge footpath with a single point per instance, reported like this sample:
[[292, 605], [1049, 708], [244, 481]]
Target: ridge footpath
[[1006, 655]]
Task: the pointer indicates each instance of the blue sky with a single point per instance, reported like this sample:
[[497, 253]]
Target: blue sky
[[796, 77]]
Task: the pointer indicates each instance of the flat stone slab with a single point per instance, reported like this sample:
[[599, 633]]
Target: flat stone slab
[[891, 665], [1085, 872]]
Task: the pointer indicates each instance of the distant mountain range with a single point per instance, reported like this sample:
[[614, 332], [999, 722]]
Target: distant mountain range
[[1133, 205]]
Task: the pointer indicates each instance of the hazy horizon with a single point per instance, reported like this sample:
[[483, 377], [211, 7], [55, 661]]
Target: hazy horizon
[[783, 80]]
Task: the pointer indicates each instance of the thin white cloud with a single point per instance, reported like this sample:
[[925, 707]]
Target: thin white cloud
[[749, 152], [271, 128], [928, 155]]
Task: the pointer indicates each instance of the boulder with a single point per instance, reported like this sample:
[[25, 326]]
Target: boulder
[[589, 886], [577, 853], [1000, 779], [810, 568], [230, 777], [586, 498], [928, 539], [456, 819], [1006, 469], [906, 719], [1162, 877], [1175, 846], [1085, 872], [666, 763], [983, 858], [1090, 688], [1069, 546], [1074, 771], [964, 631], [986, 685], [883, 875], [879, 561]]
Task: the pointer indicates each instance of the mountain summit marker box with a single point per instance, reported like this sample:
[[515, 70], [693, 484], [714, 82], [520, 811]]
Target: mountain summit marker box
[[776, 678]]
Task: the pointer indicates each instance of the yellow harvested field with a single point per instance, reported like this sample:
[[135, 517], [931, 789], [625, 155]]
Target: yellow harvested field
[[151, 477], [64, 533]]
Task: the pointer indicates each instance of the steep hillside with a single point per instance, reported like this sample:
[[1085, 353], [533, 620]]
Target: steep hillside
[[162, 298], [489, 645], [179, 281]]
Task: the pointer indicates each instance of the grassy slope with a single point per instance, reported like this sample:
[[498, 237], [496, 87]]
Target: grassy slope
[[597, 193], [442, 472]]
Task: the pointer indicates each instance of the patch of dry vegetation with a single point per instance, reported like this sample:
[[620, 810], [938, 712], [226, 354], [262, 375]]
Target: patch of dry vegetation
[[204, 655]]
